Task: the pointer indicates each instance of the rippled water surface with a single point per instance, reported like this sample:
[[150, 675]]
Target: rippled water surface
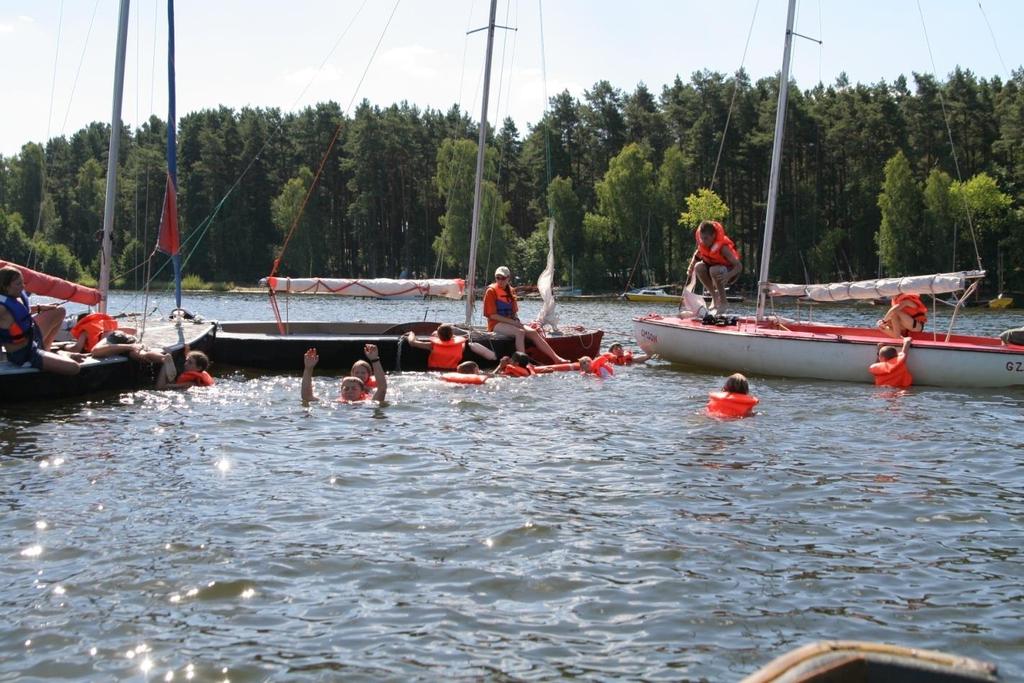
[[543, 528]]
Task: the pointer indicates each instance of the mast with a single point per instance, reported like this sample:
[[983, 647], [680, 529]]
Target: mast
[[481, 149], [115, 144], [773, 182]]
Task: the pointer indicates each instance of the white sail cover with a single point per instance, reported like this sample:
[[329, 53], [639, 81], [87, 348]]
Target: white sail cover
[[942, 283], [379, 288], [548, 317]]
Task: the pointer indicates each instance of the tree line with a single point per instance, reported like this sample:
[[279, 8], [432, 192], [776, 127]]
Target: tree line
[[870, 186]]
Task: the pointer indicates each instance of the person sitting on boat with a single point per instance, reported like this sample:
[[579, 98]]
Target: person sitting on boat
[[890, 370], [906, 314], [446, 349], [502, 311], [600, 366], [26, 331], [734, 400], [619, 356], [194, 375], [715, 261], [352, 388], [120, 342]]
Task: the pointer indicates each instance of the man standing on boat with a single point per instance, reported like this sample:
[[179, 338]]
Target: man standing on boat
[[715, 261], [501, 308]]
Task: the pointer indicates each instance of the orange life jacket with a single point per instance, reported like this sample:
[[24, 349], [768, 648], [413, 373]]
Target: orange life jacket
[[727, 404], [625, 359], [197, 378], [601, 363], [463, 378], [916, 308], [518, 371], [500, 301], [445, 355], [713, 255], [892, 373], [557, 367], [93, 326]]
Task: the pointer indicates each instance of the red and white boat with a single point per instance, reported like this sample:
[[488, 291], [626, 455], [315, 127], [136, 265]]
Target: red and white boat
[[768, 345]]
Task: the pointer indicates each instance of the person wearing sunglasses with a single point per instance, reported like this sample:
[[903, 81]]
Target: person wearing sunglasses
[[501, 308]]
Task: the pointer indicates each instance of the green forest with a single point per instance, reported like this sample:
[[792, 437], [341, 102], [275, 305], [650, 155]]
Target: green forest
[[870, 186]]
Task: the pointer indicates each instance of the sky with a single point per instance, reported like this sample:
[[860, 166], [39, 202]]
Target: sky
[[57, 56]]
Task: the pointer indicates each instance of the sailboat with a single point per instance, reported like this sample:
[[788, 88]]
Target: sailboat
[[278, 345], [770, 345], [17, 383]]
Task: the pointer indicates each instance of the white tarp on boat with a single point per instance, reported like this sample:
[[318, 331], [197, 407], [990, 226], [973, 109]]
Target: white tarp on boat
[[380, 288], [942, 283]]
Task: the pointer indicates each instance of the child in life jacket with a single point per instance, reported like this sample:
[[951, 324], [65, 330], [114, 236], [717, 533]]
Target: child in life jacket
[[906, 314], [518, 365], [446, 349], [599, 366], [716, 261], [891, 368], [734, 400], [194, 375], [352, 388], [362, 370], [618, 356]]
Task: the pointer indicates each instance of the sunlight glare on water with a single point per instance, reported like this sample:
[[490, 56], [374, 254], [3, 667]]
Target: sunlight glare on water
[[543, 528]]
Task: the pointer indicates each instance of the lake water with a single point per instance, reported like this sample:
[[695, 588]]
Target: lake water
[[560, 526]]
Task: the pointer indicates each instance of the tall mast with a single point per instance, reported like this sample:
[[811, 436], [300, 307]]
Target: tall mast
[[773, 182], [481, 149], [115, 144]]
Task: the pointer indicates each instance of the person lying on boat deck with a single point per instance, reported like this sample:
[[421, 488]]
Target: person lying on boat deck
[[90, 328], [27, 337], [364, 372], [501, 309], [734, 400], [194, 375], [906, 314], [618, 356], [352, 388], [715, 261], [596, 366], [119, 342], [446, 349], [890, 370]]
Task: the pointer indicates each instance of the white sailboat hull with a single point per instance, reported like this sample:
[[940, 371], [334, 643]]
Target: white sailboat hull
[[828, 352]]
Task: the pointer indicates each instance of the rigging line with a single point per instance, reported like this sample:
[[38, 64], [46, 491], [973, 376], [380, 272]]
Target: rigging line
[[993, 35], [949, 133], [49, 121], [330, 147], [78, 72], [735, 90], [497, 108], [547, 103]]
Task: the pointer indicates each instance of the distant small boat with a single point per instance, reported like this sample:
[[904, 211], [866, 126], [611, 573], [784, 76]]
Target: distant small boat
[[851, 661], [1001, 302], [655, 295]]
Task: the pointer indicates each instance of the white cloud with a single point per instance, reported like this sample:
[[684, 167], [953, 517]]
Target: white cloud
[[309, 74], [25, 19], [415, 61], [6, 28]]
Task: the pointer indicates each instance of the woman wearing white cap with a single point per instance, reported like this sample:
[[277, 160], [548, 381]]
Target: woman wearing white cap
[[502, 311]]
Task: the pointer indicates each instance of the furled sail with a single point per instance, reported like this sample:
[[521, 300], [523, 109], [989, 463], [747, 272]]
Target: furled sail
[[378, 288], [51, 286], [548, 317], [942, 283]]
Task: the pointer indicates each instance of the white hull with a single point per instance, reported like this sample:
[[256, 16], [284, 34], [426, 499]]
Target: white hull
[[827, 352]]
